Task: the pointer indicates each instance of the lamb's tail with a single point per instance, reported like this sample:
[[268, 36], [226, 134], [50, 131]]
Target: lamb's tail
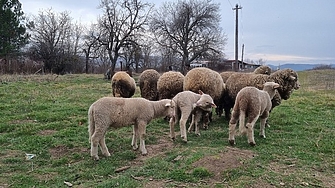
[[242, 122], [91, 123]]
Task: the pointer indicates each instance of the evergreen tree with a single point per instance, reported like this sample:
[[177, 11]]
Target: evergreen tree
[[12, 30]]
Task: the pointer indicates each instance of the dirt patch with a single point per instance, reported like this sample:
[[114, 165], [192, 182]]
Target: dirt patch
[[154, 150], [47, 132], [60, 151], [217, 164]]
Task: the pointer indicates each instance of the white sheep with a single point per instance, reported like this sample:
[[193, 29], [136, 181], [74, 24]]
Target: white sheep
[[185, 102], [251, 103], [120, 112]]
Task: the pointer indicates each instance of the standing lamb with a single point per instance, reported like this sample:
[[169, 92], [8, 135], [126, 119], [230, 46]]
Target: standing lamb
[[185, 102], [123, 85], [251, 103], [170, 84], [118, 112], [148, 84], [286, 78]]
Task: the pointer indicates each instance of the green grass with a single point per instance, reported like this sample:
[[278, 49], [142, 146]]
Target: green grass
[[47, 116]]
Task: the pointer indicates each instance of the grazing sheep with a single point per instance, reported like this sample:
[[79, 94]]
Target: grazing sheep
[[123, 85], [148, 84], [208, 81], [286, 78], [263, 69], [225, 75], [170, 84], [251, 103], [199, 114], [185, 102], [115, 112]]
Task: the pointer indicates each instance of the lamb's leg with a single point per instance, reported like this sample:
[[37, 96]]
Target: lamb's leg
[[232, 127], [183, 120], [263, 120], [197, 118], [103, 147], [191, 124], [135, 137], [95, 139], [250, 130], [142, 134], [172, 124], [262, 127]]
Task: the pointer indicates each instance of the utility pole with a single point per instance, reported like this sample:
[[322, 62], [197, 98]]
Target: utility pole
[[242, 53], [236, 38]]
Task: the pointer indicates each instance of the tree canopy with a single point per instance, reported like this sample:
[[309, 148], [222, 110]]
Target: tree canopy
[[12, 30]]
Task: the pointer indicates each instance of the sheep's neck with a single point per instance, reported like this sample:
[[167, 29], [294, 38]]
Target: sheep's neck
[[271, 92]]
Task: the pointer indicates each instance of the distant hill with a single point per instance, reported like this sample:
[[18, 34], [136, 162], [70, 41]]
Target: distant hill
[[298, 67]]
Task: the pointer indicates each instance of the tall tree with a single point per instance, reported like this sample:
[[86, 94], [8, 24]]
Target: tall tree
[[189, 28], [12, 30], [122, 20], [54, 40]]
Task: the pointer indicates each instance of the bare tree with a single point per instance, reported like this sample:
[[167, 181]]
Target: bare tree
[[54, 40], [91, 44], [190, 28], [122, 20]]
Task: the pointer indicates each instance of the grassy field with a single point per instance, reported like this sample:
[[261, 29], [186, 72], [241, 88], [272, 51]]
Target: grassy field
[[47, 116]]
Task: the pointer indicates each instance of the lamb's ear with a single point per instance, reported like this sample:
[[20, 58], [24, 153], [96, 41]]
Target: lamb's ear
[[200, 92], [275, 86], [168, 104]]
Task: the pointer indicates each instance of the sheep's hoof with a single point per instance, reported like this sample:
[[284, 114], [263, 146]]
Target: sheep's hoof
[[184, 140], [232, 142], [135, 148], [107, 154], [96, 158], [252, 143], [198, 134], [144, 153], [262, 136]]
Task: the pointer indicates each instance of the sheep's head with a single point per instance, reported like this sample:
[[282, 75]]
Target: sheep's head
[[288, 81], [205, 102], [170, 108]]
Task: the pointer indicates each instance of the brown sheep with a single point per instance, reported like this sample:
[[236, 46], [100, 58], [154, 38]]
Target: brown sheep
[[286, 78], [170, 84], [123, 85], [148, 84]]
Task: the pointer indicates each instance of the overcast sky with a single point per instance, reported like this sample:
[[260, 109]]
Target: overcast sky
[[277, 31]]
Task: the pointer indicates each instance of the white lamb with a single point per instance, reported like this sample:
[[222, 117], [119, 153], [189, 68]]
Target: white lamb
[[252, 103], [119, 112], [186, 102]]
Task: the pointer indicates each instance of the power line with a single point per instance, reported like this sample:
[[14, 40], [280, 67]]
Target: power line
[[230, 4]]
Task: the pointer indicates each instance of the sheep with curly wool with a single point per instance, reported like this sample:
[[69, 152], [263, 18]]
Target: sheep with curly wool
[[186, 102], [116, 112], [286, 78], [208, 81], [251, 103], [170, 84], [263, 69], [123, 85], [148, 84]]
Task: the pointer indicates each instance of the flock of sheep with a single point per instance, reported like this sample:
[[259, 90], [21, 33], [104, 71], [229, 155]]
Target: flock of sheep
[[242, 96]]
